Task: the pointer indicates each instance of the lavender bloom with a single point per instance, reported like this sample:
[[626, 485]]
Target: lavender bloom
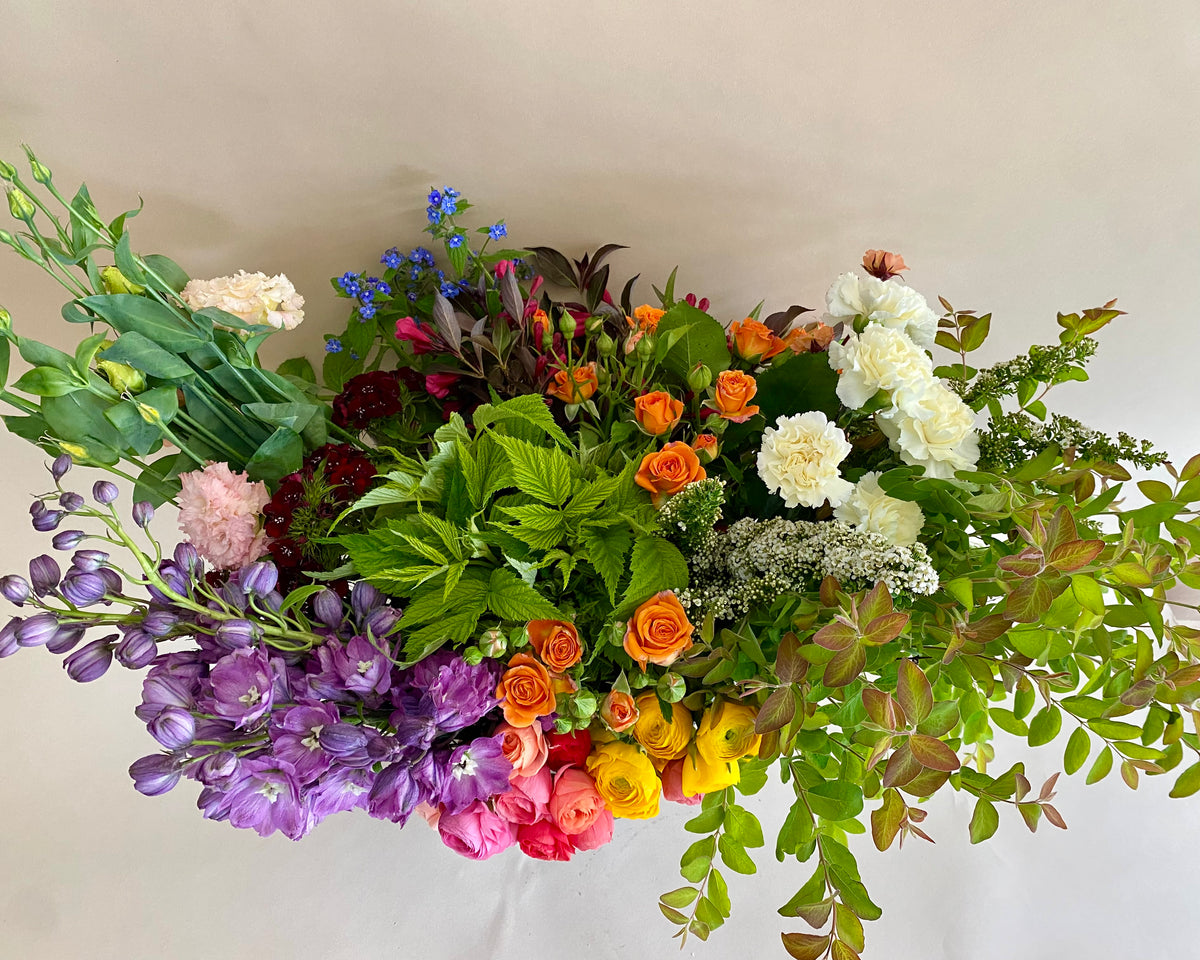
[[48, 520], [259, 578], [358, 667], [267, 798], [44, 574], [8, 638], [242, 686], [60, 466], [89, 561], [37, 630], [429, 773], [83, 589], [136, 649], [163, 691], [105, 491], [296, 738], [327, 608], [213, 803], [382, 622], [446, 688], [188, 560], [476, 771], [174, 728], [341, 789], [90, 662], [67, 539], [112, 580], [175, 580], [65, 638], [143, 513], [346, 743], [394, 795], [364, 598], [70, 501], [15, 588], [417, 731], [155, 774]]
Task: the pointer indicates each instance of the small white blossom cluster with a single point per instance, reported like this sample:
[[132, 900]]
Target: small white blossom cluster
[[924, 420], [755, 561], [252, 297]]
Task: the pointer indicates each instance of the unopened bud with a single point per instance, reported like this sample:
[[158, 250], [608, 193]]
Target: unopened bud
[[605, 345], [645, 347], [493, 643], [671, 687], [124, 379], [114, 281], [472, 655], [5, 320], [700, 378], [639, 680], [594, 325], [583, 705], [77, 452], [567, 324], [7, 170], [20, 206]]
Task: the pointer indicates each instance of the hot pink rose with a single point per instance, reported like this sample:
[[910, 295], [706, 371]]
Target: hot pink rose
[[477, 833], [524, 747], [408, 329], [544, 841], [672, 784], [598, 834], [575, 805], [526, 799], [439, 384]]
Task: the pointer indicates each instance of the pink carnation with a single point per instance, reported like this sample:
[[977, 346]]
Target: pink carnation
[[220, 512]]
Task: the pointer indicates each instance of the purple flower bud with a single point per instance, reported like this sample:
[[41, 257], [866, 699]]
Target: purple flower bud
[[364, 598], [8, 637], [158, 623], [155, 774], [143, 513], [327, 608], [48, 520], [44, 574], [381, 622], [105, 491], [65, 638], [174, 728], [83, 589], [218, 769], [88, 560], [70, 501], [259, 578], [89, 662], [67, 539], [37, 630], [15, 589], [136, 649], [112, 580], [237, 633], [381, 748], [188, 560], [343, 741], [60, 466]]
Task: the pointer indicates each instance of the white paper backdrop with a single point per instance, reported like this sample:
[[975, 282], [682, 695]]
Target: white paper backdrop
[[1025, 158]]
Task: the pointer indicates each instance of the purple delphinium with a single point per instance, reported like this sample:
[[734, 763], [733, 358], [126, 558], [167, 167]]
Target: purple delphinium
[[295, 736], [340, 789], [267, 798], [476, 771], [394, 794], [242, 686], [358, 667], [446, 691]]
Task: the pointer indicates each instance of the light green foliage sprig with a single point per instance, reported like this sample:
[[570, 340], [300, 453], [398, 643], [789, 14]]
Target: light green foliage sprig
[[1015, 438]]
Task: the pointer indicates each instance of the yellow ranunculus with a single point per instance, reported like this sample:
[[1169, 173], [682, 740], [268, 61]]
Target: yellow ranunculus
[[661, 738], [626, 779], [700, 776], [726, 735]]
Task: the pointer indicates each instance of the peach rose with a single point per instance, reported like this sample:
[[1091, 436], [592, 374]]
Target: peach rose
[[526, 799], [575, 803], [754, 341], [524, 747], [556, 642], [598, 834], [657, 412], [733, 394], [882, 264], [525, 691], [618, 711], [707, 447], [573, 386], [646, 317], [810, 339], [669, 470], [659, 631]]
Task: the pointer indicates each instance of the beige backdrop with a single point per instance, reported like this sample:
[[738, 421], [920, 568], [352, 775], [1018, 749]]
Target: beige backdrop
[[1024, 157]]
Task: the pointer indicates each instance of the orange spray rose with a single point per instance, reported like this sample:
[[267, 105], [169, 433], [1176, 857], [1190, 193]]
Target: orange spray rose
[[556, 642], [573, 386], [525, 691], [733, 394], [669, 470], [659, 631], [754, 341], [657, 412], [619, 711]]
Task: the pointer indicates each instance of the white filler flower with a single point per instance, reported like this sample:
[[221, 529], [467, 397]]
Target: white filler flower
[[799, 460], [252, 297], [886, 302], [873, 511], [936, 432], [880, 358]]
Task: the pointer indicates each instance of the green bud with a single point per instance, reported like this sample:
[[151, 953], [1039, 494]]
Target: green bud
[[7, 238], [700, 379], [122, 377], [7, 170], [594, 325], [566, 324], [563, 725], [41, 173], [547, 337], [645, 347], [472, 655], [20, 206], [5, 320], [671, 687], [602, 378], [116, 282], [148, 413], [493, 643], [605, 345], [641, 679], [583, 705], [76, 452]]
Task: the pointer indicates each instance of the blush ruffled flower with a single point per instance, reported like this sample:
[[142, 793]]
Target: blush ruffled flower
[[252, 297], [220, 513]]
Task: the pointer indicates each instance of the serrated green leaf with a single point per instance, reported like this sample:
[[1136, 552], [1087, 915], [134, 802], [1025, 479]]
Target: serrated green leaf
[[511, 598], [544, 473], [656, 565], [606, 549]]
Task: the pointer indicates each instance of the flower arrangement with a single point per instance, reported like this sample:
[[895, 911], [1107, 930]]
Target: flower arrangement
[[526, 558]]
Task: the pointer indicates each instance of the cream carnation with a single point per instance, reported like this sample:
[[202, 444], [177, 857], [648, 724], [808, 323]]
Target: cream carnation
[[799, 460], [873, 511], [886, 302], [252, 297], [880, 358], [936, 431], [219, 511]]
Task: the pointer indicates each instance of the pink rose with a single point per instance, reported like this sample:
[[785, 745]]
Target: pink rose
[[575, 805], [524, 747], [526, 799], [672, 784], [408, 329], [544, 841], [477, 833], [598, 834], [439, 384]]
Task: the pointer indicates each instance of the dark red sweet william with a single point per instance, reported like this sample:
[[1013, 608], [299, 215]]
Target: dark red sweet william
[[367, 397]]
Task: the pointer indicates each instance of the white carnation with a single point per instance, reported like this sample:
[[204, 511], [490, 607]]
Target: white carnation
[[799, 460], [886, 302], [880, 358], [252, 297], [873, 511], [935, 431]]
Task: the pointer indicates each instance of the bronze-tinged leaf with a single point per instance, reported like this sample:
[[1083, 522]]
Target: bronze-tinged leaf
[[925, 784], [816, 915], [805, 946], [933, 753], [887, 818], [829, 591], [1047, 791], [835, 636], [1030, 813], [1132, 573], [988, 629], [913, 691], [1052, 814], [790, 667], [845, 666], [1129, 773], [1028, 563], [1029, 601], [901, 767], [1075, 555], [876, 603], [843, 951], [1061, 529], [776, 712], [984, 820], [884, 629], [878, 752], [1191, 469], [881, 708]]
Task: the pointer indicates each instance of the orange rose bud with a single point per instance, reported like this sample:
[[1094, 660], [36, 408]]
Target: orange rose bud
[[754, 341], [657, 412], [573, 386], [619, 711], [707, 447], [659, 631], [525, 691], [556, 642], [669, 470], [811, 339], [646, 317], [884, 265], [733, 392]]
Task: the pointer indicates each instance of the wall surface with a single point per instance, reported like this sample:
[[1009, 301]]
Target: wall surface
[[1024, 157]]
